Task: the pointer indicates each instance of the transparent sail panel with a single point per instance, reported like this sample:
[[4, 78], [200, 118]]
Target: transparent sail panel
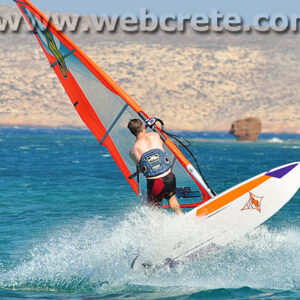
[[106, 104], [187, 190], [112, 110]]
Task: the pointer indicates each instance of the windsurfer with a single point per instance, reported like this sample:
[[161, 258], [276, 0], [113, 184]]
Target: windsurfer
[[151, 159]]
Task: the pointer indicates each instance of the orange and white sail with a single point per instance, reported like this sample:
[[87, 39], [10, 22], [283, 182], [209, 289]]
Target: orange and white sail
[[103, 106]]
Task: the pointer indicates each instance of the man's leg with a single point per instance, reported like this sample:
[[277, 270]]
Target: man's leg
[[174, 205]]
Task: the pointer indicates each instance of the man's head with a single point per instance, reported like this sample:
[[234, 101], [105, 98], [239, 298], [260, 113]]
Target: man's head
[[135, 126]]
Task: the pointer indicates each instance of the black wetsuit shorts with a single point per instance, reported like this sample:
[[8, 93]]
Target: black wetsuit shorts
[[164, 187]]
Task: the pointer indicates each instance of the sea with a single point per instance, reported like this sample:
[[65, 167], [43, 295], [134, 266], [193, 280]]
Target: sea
[[70, 225]]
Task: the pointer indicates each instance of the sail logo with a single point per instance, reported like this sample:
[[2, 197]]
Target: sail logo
[[254, 202], [54, 50], [50, 42]]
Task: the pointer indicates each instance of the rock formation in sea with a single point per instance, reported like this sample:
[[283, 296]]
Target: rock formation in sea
[[247, 129]]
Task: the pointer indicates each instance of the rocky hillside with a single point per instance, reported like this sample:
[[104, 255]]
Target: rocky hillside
[[192, 81]]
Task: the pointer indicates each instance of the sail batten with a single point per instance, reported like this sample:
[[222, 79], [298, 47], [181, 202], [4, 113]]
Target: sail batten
[[103, 106], [114, 123]]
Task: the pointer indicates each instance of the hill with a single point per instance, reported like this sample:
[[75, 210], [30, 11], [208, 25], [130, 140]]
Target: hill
[[191, 81]]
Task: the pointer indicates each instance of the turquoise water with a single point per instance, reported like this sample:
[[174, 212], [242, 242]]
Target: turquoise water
[[70, 225]]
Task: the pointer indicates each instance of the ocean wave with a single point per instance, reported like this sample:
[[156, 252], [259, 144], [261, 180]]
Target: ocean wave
[[275, 140]]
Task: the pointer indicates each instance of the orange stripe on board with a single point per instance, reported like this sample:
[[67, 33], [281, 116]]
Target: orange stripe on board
[[231, 196]]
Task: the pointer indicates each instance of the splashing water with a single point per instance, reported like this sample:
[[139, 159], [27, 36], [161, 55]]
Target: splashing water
[[96, 257]]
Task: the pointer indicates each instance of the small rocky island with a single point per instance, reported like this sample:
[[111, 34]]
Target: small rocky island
[[247, 129]]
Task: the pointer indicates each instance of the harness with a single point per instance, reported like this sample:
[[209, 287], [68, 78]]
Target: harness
[[153, 163]]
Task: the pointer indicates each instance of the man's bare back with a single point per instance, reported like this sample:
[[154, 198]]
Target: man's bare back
[[145, 143]]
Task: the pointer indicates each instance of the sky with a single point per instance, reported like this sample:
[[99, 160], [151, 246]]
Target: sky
[[245, 8]]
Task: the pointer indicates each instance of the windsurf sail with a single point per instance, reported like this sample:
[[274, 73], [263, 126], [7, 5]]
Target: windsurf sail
[[103, 106]]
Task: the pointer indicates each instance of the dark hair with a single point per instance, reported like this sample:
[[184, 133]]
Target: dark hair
[[135, 126]]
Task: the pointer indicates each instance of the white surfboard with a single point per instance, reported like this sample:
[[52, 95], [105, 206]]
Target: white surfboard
[[229, 216]]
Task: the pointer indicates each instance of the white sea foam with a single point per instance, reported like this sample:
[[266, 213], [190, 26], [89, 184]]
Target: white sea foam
[[59, 143], [96, 256], [24, 147], [262, 260], [275, 140]]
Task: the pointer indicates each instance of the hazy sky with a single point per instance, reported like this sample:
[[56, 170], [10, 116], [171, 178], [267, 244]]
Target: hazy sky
[[246, 8]]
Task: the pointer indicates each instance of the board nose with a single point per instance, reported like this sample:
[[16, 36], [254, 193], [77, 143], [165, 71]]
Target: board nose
[[279, 173]]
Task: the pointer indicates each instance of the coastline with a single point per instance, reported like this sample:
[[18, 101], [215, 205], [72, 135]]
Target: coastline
[[202, 134]]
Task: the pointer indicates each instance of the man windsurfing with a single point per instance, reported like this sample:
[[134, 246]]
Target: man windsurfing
[[151, 159]]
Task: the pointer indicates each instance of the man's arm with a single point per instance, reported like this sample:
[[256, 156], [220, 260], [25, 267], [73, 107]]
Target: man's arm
[[133, 157]]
